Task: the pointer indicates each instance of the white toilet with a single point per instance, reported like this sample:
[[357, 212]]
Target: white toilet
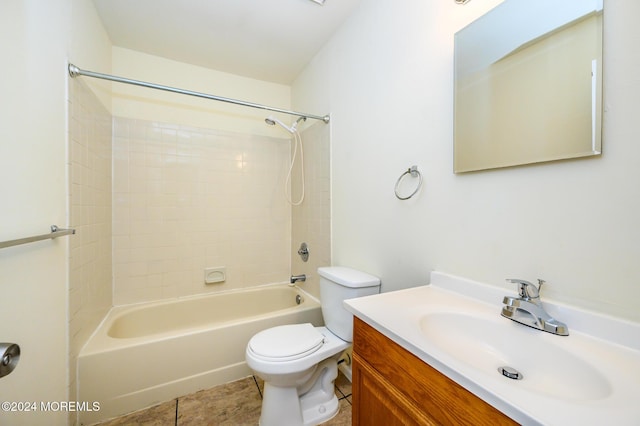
[[299, 362]]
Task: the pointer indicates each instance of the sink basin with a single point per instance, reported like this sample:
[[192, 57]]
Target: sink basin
[[486, 344]]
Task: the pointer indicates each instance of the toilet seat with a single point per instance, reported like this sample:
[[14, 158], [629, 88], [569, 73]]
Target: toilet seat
[[286, 342]]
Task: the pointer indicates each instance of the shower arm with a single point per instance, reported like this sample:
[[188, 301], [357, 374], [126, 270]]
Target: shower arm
[[74, 72]]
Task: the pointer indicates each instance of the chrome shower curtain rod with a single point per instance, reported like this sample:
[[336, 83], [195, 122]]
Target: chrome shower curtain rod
[[74, 71]]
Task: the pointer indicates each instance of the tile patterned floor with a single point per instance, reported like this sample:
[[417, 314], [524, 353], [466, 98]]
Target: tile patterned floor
[[234, 404]]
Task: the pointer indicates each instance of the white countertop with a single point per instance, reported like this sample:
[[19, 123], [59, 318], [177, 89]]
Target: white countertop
[[609, 345]]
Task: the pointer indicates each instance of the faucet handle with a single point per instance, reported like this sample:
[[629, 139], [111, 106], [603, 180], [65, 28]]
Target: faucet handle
[[527, 290]]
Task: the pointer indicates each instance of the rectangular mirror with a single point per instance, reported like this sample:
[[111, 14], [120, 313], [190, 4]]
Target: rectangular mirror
[[528, 84]]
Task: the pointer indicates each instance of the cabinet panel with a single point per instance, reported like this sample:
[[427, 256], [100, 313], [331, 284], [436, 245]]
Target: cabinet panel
[[379, 402]]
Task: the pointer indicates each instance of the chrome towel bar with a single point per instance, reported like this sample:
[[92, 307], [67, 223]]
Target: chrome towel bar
[[55, 233]]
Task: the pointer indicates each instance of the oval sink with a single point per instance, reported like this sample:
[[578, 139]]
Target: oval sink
[[487, 344]]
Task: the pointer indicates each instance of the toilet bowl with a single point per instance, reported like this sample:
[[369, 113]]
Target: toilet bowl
[[303, 379], [299, 362]]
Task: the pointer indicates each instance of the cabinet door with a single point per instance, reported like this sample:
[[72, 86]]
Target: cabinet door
[[377, 402]]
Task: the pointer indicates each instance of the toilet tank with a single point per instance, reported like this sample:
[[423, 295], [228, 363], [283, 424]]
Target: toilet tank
[[338, 283]]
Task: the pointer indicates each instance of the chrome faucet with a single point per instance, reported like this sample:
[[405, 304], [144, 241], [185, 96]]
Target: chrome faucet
[[527, 309], [296, 278]]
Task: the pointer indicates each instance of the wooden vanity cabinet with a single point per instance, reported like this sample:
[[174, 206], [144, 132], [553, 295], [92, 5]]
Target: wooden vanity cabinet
[[391, 386]]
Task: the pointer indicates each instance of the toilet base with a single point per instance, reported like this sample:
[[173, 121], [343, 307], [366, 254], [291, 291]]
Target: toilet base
[[309, 404]]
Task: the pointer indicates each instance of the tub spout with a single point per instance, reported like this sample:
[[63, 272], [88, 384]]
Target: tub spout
[[296, 278]]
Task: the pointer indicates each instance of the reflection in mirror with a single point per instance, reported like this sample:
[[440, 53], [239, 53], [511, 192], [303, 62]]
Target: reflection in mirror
[[528, 84]]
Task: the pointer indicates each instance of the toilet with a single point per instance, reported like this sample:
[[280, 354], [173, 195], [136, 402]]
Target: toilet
[[299, 362]]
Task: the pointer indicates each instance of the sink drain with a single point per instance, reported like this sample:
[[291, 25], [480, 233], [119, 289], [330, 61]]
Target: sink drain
[[510, 373]]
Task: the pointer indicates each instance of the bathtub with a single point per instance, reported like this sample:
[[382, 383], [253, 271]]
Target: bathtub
[[149, 353]]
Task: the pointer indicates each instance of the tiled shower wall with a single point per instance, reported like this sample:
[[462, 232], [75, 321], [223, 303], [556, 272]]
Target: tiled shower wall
[[89, 168], [185, 199], [311, 221]]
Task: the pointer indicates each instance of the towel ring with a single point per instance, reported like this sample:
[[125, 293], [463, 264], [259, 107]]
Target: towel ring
[[413, 171]]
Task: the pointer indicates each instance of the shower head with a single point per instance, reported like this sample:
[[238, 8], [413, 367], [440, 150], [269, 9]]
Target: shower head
[[272, 121]]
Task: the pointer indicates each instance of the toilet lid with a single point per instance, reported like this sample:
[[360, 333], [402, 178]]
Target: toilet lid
[[286, 342]]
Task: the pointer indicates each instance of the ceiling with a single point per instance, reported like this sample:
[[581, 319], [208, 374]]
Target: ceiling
[[269, 40]]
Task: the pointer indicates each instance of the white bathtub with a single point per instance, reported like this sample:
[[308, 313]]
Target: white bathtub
[[145, 354]]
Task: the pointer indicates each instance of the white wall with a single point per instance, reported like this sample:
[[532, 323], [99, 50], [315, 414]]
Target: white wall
[[387, 79], [90, 47], [154, 105], [33, 188], [35, 41]]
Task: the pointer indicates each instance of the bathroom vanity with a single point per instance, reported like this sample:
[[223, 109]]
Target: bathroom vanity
[[443, 354], [391, 386]]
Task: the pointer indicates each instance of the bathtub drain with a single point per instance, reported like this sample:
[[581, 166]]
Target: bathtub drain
[[299, 299], [510, 373]]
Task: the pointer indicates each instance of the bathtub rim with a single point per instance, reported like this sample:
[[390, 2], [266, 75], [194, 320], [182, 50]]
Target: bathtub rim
[[100, 341]]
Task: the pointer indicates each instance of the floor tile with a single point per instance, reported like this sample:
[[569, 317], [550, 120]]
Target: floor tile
[[260, 384], [236, 403], [159, 415], [343, 384], [343, 418]]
